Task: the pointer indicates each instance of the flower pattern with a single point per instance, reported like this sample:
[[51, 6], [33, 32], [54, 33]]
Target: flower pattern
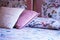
[[51, 9], [12, 3], [46, 23]]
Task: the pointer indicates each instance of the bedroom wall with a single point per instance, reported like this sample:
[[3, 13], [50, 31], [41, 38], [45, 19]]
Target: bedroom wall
[[12, 3], [38, 5], [51, 9]]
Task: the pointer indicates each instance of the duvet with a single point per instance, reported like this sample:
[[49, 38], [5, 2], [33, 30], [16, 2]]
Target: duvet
[[29, 34]]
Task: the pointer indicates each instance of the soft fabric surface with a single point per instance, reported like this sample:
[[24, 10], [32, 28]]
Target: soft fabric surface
[[25, 18], [40, 22], [9, 16], [29, 34]]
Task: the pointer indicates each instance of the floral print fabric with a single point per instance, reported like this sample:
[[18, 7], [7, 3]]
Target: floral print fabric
[[51, 9], [12, 3], [47, 23]]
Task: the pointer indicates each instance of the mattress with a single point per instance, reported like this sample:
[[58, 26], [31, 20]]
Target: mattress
[[29, 34]]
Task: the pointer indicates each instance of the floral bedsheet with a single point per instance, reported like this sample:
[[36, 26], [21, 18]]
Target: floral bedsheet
[[29, 34]]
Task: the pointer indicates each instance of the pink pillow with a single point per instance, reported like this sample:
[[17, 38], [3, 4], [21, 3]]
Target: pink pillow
[[25, 17]]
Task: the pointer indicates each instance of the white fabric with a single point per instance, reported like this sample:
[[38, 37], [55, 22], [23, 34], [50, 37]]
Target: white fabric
[[9, 16], [29, 34], [41, 22]]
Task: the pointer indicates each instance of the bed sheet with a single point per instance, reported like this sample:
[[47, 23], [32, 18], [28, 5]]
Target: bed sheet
[[29, 34]]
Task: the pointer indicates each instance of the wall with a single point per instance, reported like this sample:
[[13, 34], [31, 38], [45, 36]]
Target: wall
[[51, 9], [12, 3]]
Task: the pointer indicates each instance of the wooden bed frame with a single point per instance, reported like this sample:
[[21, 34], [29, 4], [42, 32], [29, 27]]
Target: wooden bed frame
[[34, 5]]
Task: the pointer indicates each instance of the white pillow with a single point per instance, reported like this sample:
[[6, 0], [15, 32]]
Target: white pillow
[[9, 16], [48, 23]]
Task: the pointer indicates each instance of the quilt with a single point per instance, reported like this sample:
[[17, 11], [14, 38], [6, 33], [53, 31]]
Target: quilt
[[29, 34]]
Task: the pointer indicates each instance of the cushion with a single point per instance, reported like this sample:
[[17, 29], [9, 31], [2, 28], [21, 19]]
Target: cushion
[[25, 18], [9, 16], [47, 23]]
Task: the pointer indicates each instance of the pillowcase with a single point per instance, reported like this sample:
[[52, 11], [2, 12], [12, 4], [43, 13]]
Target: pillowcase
[[25, 18], [47, 23], [9, 16]]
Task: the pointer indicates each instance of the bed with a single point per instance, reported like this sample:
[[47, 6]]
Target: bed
[[33, 30], [29, 34]]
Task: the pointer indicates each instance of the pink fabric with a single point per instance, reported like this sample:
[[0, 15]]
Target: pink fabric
[[26, 16]]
